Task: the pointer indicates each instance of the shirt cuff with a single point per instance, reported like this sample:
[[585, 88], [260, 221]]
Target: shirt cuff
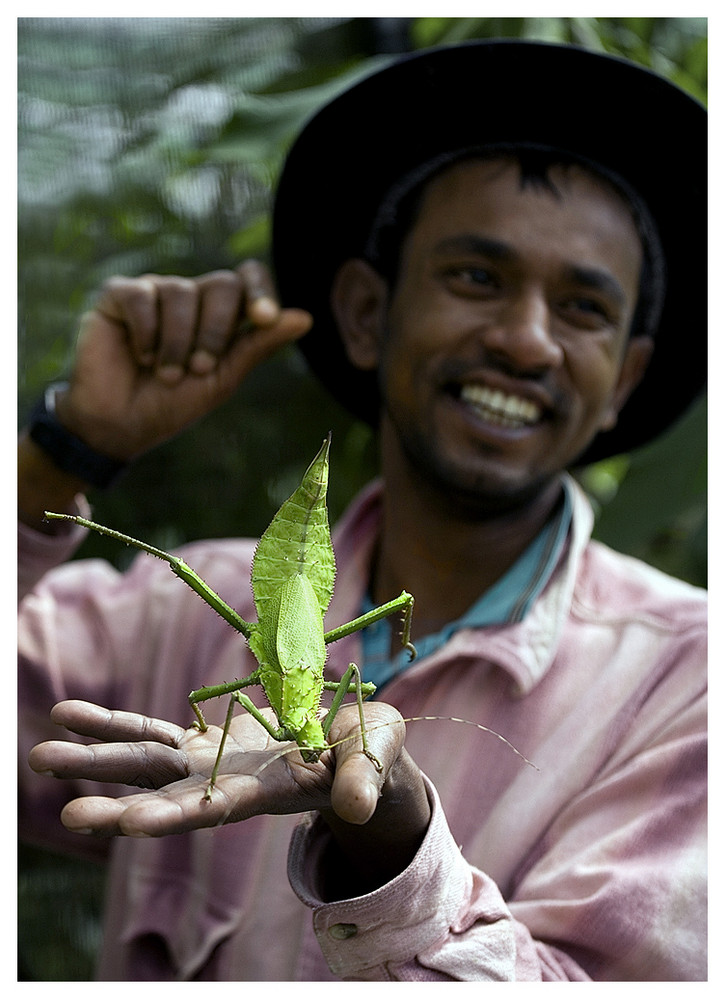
[[362, 938], [39, 552]]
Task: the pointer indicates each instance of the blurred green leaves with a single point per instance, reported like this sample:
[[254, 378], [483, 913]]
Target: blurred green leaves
[[654, 506], [154, 143]]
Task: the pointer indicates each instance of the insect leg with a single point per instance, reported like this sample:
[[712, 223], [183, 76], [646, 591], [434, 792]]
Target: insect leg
[[246, 703], [178, 566], [223, 740], [404, 602], [278, 733], [218, 691], [341, 689]]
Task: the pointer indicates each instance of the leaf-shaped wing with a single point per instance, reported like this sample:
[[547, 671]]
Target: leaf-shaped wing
[[298, 541]]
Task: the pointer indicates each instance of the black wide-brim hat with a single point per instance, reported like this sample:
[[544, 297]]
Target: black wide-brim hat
[[602, 108]]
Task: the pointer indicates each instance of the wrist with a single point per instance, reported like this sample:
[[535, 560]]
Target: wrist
[[43, 486], [69, 453], [364, 857]]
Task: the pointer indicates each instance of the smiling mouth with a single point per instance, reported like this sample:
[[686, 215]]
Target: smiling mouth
[[499, 408]]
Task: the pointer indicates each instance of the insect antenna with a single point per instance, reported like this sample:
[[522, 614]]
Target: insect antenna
[[435, 718], [292, 747]]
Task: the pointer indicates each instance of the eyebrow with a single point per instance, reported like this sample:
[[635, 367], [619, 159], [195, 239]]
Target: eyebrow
[[483, 246], [594, 278], [598, 281]]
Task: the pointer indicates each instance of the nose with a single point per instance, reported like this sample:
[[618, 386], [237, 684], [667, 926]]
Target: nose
[[521, 333]]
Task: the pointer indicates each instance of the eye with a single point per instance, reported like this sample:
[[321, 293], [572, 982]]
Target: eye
[[586, 311], [470, 279]]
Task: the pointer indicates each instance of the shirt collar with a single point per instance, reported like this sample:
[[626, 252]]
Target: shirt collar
[[505, 603]]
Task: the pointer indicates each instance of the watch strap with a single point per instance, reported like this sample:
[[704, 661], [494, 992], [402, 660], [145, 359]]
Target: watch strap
[[66, 450]]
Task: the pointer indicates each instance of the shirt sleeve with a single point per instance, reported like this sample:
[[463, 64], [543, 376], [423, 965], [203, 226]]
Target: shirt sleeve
[[38, 552], [90, 632], [616, 891], [47, 640], [439, 920]]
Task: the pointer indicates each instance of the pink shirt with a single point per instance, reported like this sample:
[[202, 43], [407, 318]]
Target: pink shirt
[[592, 867]]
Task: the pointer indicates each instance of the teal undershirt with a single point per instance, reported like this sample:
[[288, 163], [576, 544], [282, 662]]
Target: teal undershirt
[[506, 602]]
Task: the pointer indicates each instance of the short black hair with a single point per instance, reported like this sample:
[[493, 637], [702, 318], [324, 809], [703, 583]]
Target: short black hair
[[398, 211]]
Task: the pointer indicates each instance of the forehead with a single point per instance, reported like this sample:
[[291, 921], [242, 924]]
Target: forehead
[[570, 208]]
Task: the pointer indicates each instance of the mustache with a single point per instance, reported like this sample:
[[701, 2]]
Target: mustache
[[539, 385]]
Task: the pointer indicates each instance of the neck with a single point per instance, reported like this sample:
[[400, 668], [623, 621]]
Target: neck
[[444, 557]]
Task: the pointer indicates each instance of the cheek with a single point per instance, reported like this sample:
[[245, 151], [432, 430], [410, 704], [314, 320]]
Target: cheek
[[595, 374], [407, 346], [397, 369]]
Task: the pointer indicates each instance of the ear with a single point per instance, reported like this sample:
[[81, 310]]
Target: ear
[[637, 355], [359, 301]]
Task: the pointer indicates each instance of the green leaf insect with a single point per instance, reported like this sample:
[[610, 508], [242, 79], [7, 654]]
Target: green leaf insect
[[293, 573]]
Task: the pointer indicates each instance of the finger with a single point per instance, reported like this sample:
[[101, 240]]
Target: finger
[[234, 303], [133, 302], [146, 814], [179, 808], [159, 313], [94, 814], [360, 776], [87, 719], [254, 346], [261, 305], [178, 316], [143, 765], [221, 298], [356, 790], [185, 806]]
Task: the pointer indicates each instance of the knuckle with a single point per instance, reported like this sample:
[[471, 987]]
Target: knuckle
[[255, 276], [222, 279], [174, 286], [129, 300], [119, 284]]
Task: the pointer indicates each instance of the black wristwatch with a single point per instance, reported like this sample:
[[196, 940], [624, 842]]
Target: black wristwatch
[[67, 451]]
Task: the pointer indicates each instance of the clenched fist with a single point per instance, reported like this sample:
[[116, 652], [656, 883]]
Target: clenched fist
[[158, 352]]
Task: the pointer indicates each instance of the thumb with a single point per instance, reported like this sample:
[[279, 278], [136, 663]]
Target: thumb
[[356, 789], [360, 774], [254, 345]]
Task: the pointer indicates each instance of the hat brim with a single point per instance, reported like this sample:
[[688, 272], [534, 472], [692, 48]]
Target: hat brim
[[606, 109]]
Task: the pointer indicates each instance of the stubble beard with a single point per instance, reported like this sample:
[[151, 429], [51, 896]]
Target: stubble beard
[[467, 494]]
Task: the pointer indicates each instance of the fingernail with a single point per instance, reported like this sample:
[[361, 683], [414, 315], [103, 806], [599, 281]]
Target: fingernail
[[265, 309], [170, 373], [202, 362]]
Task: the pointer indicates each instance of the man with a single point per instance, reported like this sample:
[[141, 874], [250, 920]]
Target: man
[[505, 292]]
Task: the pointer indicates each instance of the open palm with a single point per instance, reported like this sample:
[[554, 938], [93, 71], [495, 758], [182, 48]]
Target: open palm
[[174, 765]]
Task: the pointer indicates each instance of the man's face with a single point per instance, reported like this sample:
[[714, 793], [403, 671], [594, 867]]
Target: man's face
[[505, 348]]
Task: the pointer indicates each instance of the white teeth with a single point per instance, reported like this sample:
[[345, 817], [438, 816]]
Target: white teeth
[[499, 408]]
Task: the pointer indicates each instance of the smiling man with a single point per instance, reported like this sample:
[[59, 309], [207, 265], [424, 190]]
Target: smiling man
[[504, 295], [512, 311], [502, 347]]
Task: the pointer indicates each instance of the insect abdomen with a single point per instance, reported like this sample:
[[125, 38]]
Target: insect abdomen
[[294, 658]]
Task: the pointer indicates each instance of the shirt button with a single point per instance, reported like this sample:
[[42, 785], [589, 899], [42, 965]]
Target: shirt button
[[341, 932]]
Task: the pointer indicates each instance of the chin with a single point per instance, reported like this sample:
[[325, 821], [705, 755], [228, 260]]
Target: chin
[[480, 489]]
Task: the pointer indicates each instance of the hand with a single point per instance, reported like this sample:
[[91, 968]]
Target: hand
[[176, 765], [158, 352]]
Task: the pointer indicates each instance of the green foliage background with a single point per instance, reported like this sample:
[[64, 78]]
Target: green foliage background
[[153, 145]]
